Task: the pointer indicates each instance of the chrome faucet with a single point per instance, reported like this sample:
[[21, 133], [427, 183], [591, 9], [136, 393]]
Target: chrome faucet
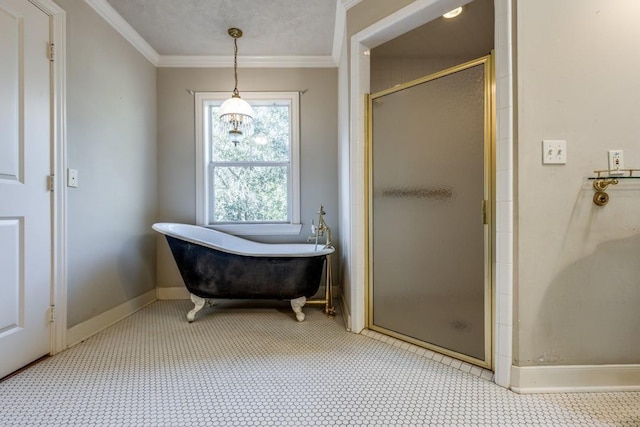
[[320, 230]]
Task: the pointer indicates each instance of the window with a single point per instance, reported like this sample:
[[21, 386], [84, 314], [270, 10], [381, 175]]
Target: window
[[253, 187]]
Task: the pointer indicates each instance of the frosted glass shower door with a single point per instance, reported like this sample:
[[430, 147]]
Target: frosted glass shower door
[[430, 158]]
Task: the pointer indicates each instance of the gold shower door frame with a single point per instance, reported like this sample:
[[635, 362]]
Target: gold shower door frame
[[485, 211]]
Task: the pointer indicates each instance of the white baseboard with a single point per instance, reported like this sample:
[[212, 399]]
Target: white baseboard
[[576, 378], [174, 292], [84, 330]]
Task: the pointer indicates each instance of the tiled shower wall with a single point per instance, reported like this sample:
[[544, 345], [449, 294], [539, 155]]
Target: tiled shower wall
[[503, 347]]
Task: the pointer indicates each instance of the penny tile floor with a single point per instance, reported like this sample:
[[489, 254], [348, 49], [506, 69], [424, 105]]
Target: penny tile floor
[[253, 364]]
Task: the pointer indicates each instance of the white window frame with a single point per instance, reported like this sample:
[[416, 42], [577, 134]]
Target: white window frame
[[203, 155]]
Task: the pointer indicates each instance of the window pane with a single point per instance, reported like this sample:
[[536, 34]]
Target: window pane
[[251, 194], [269, 142]]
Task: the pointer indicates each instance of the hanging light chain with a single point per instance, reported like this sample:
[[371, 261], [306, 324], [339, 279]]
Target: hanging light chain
[[235, 66]]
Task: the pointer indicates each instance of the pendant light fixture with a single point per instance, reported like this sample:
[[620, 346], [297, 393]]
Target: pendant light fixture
[[236, 115]]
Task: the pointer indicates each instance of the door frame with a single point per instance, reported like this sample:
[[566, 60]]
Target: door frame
[[488, 189], [413, 15], [57, 19]]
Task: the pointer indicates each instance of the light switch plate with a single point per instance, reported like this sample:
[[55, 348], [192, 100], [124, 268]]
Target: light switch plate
[[554, 152]]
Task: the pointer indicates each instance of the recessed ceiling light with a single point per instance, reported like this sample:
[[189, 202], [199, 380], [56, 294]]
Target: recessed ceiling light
[[452, 14], [367, 52]]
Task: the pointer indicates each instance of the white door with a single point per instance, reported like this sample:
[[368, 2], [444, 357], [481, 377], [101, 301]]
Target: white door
[[25, 202]]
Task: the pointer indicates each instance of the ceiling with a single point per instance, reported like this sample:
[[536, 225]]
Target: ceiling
[[199, 27], [276, 32]]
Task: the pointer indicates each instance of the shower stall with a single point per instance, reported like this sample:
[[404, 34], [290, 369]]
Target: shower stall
[[430, 185]]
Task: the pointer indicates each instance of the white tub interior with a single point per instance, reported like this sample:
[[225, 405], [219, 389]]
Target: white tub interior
[[235, 245]]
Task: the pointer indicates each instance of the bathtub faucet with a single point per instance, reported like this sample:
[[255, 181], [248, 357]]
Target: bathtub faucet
[[320, 229]]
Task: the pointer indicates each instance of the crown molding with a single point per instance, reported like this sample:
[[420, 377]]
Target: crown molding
[[114, 19], [209, 61], [348, 4], [339, 29]]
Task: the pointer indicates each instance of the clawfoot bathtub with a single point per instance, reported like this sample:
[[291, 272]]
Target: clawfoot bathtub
[[217, 265]]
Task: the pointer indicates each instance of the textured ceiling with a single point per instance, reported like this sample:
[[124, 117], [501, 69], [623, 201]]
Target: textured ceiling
[[199, 27]]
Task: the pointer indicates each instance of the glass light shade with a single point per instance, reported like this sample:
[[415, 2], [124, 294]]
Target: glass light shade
[[236, 136], [236, 117]]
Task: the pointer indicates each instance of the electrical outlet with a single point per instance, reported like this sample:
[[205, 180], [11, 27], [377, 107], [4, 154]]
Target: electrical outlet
[[616, 162], [72, 178], [554, 152]]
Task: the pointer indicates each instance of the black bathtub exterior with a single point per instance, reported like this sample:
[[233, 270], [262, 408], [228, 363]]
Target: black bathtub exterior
[[209, 273]]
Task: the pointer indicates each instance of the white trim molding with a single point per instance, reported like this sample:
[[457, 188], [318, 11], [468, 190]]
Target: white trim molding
[[114, 19], [339, 29], [575, 378], [58, 33], [211, 61], [84, 330], [59, 151]]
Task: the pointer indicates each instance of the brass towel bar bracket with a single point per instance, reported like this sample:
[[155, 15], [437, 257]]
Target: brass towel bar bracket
[[600, 183]]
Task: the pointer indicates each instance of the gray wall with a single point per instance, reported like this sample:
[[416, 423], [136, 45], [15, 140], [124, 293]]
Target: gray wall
[[111, 141], [368, 12], [176, 143], [578, 265]]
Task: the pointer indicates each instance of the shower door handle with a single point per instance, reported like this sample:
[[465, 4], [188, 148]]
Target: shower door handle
[[484, 212]]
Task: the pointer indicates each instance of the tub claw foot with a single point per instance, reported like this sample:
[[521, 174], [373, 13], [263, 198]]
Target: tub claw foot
[[199, 303], [296, 305]]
